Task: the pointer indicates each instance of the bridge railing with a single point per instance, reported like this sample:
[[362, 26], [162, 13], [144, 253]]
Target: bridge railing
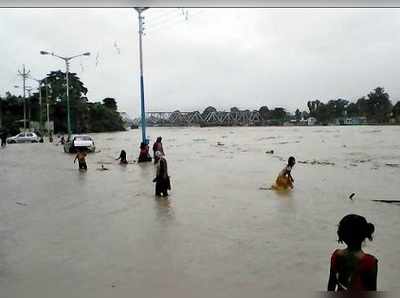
[[178, 118]]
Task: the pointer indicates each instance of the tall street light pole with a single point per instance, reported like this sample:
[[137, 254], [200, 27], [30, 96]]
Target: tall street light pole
[[66, 60], [143, 114]]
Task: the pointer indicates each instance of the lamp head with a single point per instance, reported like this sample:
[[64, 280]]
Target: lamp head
[[86, 54], [44, 53]]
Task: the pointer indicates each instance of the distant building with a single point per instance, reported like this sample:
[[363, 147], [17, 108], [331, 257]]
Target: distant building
[[311, 121], [351, 120]]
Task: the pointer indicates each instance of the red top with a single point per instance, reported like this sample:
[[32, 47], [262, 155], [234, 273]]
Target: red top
[[355, 280]]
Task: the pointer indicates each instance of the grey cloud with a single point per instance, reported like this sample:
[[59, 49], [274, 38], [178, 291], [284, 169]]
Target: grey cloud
[[221, 57]]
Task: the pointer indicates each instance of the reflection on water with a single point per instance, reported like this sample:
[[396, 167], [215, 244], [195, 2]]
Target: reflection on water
[[164, 209]]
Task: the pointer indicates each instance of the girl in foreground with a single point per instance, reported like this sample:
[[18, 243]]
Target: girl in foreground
[[351, 268], [285, 179]]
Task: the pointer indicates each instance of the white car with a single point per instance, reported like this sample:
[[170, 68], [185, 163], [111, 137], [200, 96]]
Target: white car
[[24, 137], [79, 142]]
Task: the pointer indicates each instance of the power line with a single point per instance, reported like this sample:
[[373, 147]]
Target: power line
[[173, 22], [163, 17]]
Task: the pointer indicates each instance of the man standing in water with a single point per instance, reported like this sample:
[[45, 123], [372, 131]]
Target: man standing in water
[[162, 179], [158, 147], [81, 157], [3, 136]]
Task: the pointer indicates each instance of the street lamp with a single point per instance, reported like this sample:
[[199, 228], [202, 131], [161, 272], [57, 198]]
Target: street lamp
[[66, 59]]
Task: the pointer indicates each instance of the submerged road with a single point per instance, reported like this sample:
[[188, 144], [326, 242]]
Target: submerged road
[[64, 233]]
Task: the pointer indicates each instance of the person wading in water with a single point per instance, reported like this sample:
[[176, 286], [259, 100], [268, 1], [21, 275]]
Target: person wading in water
[[81, 157], [162, 179], [157, 146]]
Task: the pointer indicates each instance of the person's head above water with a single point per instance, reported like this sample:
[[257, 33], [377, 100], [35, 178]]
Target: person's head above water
[[159, 139], [291, 161], [354, 229]]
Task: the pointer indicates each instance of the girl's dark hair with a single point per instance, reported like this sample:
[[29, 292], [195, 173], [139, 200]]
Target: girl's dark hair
[[354, 228], [291, 159]]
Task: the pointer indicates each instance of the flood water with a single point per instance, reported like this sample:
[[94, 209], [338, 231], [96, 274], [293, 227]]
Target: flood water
[[64, 233]]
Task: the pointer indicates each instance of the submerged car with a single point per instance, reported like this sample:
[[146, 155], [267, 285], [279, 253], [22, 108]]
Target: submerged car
[[24, 137], [77, 142]]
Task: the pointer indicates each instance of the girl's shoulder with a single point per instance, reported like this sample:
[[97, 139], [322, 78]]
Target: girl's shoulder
[[338, 253], [369, 261]]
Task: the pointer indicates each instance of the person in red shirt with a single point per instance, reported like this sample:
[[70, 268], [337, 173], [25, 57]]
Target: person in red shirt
[[351, 268], [144, 154]]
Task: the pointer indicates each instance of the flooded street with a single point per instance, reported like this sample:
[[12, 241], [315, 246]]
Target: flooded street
[[64, 233]]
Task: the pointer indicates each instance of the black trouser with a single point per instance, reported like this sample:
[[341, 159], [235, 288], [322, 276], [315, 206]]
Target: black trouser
[[82, 165], [162, 186]]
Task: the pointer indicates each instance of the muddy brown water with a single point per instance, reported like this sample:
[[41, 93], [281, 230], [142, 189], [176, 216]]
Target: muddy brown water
[[64, 233]]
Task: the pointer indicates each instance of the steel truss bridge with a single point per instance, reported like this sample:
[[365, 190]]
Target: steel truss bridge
[[177, 118]]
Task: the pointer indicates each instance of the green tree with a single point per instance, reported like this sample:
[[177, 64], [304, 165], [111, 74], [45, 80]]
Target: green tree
[[110, 103], [102, 118], [337, 108], [278, 114], [56, 83], [379, 105], [353, 110], [396, 111], [12, 110], [297, 115], [313, 107], [264, 113]]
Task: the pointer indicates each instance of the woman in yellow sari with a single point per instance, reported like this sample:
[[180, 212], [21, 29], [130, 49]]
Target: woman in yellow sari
[[285, 180]]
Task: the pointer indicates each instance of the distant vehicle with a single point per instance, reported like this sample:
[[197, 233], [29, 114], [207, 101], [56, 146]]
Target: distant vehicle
[[134, 126], [79, 142], [24, 137]]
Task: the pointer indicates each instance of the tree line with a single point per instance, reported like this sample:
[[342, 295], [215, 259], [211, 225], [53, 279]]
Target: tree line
[[85, 116], [376, 108]]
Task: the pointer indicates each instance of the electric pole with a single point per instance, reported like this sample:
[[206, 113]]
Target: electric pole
[[143, 114], [29, 89], [24, 76], [47, 105]]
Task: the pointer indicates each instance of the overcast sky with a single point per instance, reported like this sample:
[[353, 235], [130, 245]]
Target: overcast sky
[[221, 57]]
